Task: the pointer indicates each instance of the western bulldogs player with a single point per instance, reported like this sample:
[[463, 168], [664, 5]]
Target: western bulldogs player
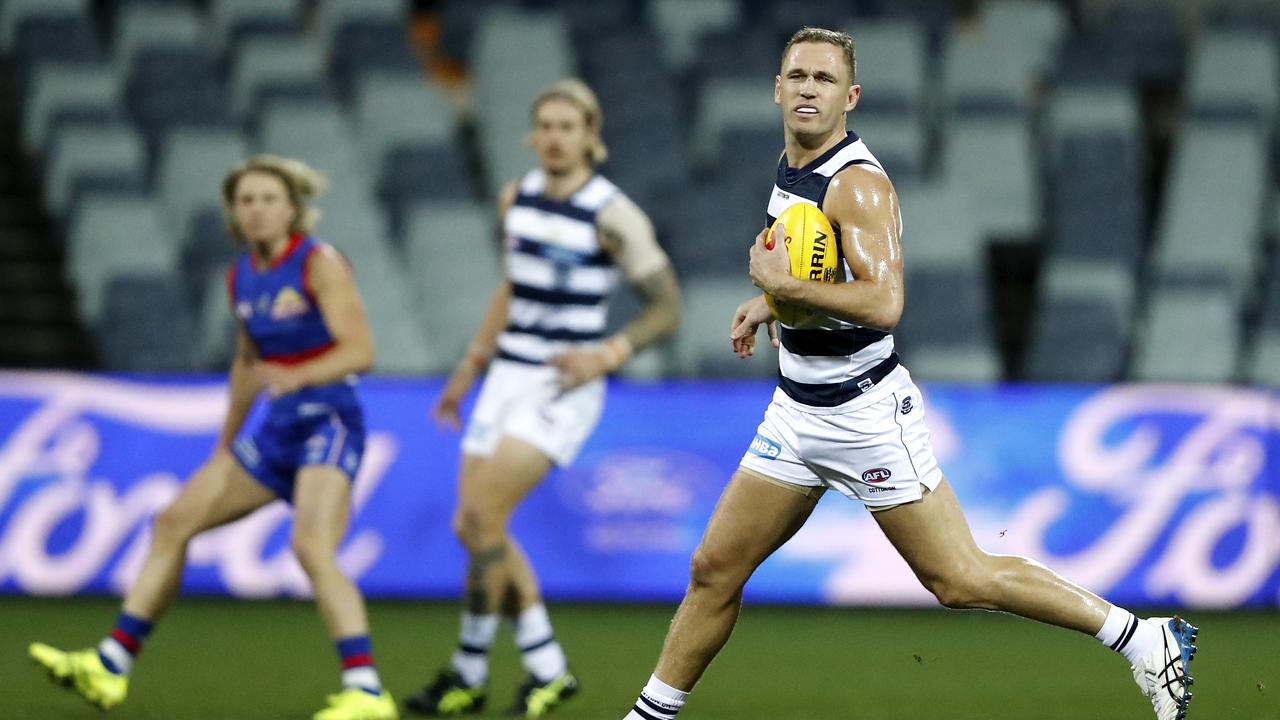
[[302, 337]]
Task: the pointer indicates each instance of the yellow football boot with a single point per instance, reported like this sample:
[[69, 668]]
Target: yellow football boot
[[82, 671], [356, 704]]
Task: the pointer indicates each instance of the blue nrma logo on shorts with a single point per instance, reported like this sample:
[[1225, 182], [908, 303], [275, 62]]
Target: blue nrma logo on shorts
[[765, 448]]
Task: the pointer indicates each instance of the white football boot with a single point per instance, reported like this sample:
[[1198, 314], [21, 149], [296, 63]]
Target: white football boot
[[1164, 675]]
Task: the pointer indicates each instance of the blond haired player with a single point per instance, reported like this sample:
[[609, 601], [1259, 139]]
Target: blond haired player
[[302, 337], [570, 234], [847, 416]]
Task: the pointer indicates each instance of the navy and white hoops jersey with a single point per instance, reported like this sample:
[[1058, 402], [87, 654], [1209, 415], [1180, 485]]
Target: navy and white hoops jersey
[[561, 277], [837, 361]]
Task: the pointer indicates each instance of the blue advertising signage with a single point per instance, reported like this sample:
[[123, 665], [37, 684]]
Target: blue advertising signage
[[1144, 494]]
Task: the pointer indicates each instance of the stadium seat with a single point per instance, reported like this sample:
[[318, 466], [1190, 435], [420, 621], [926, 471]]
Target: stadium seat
[[320, 133], [992, 159], [176, 86], [215, 324], [1235, 71], [1191, 333], [1097, 182], [228, 17], [1146, 39], [731, 103], [61, 87], [141, 25], [946, 330], [1026, 28], [371, 46], [979, 76], [412, 174], [702, 340], [207, 251], [892, 57], [516, 54], [13, 12], [190, 171], [397, 109], [1216, 188], [453, 262], [44, 40], [273, 61], [113, 236], [897, 141], [681, 23], [1084, 320], [940, 229], [1091, 108], [146, 324], [332, 14], [80, 150]]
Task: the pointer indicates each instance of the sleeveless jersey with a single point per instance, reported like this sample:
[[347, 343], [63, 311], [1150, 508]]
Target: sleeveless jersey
[[278, 309], [836, 361], [561, 277]]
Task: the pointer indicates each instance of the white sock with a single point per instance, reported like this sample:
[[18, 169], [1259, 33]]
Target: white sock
[[540, 654], [658, 701], [116, 654], [1127, 634], [471, 659], [364, 677]]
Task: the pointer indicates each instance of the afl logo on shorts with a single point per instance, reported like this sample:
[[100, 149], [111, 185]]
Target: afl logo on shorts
[[876, 475]]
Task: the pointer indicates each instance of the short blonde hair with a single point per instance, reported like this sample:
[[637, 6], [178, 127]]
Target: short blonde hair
[[580, 94], [301, 181], [842, 40]]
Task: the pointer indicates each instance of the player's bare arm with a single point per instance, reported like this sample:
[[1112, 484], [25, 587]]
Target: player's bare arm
[[447, 409], [627, 235], [339, 301], [244, 386], [862, 205], [747, 319]]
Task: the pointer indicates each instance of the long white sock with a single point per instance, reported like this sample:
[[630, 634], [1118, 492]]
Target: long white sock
[[475, 637], [658, 701], [1127, 634], [540, 654]]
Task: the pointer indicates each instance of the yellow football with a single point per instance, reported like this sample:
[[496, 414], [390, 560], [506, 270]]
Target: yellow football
[[811, 244]]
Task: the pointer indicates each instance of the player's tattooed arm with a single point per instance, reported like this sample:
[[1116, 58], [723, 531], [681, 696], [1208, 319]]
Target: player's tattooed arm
[[628, 235]]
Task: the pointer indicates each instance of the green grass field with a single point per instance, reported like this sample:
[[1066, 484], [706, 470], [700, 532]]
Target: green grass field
[[242, 660]]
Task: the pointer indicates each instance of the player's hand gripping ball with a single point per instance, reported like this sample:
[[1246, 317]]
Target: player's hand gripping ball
[[811, 245]]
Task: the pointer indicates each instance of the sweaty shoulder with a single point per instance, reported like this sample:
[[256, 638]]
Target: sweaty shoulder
[[860, 188]]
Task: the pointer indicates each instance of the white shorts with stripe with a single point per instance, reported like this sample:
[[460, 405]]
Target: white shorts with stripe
[[524, 401], [875, 448]]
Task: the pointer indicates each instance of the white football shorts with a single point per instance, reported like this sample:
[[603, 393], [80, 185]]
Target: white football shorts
[[525, 402], [875, 449]]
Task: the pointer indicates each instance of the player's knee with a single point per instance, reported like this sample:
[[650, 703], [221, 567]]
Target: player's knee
[[710, 569], [962, 588], [477, 527], [174, 525]]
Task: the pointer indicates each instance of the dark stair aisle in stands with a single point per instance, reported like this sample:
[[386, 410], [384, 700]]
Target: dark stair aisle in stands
[[38, 323]]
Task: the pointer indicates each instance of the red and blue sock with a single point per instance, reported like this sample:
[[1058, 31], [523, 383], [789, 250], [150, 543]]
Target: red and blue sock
[[118, 650], [358, 669]]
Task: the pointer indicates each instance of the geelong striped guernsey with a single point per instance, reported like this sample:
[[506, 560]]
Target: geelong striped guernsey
[[561, 277], [836, 361]]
